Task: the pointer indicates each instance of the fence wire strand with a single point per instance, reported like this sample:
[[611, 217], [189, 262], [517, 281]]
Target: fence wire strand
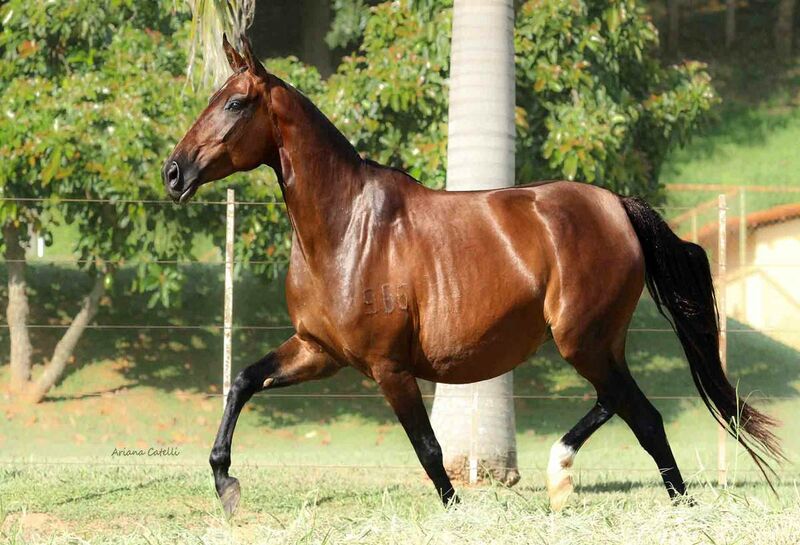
[[291, 327], [124, 392], [363, 467]]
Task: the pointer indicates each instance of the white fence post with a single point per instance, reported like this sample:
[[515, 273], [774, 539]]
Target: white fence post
[[723, 326], [742, 254], [227, 331]]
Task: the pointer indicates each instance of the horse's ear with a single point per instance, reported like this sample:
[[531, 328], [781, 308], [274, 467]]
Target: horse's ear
[[234, 59], [253, 64]]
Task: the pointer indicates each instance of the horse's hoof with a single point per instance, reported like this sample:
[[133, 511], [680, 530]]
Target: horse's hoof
[[452, 501], [684, 500], [559, 492], [230, 495]]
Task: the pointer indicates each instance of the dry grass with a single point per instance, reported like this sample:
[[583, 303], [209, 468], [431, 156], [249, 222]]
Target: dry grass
[[160, 506]]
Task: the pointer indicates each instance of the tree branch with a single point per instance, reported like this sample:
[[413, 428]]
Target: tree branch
[[63, 350]]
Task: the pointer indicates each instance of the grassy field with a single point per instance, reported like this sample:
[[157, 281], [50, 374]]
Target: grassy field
[[322, 469], [165, 506]]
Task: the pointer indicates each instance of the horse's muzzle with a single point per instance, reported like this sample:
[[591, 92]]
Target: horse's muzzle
[[172, 176], [178, 189]]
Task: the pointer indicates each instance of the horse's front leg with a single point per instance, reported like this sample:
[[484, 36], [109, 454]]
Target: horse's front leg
[[402, 392], [296, 360]]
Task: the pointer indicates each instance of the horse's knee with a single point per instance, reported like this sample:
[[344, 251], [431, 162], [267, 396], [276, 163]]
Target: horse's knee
[[242, 381], [250, 379]]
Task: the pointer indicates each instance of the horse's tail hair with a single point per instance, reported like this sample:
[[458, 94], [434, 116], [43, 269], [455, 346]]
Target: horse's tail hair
[[678, 276]]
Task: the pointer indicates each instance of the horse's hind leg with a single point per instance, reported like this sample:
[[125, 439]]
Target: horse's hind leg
[[293, 362], [646, 423], [595, 364], [562, 453], [617, 393]]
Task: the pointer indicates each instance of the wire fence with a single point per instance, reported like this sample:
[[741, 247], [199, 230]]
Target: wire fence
[[123, 393], [691, 215], [405, 468]]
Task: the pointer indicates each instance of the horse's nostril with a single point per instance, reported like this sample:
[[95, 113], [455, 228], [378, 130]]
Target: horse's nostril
[[174, 175]]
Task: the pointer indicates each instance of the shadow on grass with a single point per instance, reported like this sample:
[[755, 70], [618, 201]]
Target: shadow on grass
[[111, 491], [344, 497], [604, 487], [172, 360]]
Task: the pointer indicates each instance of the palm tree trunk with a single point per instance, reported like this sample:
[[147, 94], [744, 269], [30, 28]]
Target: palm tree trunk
[[475, 423], [17, 310]]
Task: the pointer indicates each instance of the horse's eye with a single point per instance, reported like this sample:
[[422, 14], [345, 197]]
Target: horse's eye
[[234, 105]]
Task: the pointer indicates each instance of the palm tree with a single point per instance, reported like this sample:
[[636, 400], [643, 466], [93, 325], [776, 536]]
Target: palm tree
[[210, 19], [475, 423]]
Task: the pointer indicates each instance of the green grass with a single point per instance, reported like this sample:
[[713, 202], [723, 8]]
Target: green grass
[[341, 467], [155, 506], [746, 146]]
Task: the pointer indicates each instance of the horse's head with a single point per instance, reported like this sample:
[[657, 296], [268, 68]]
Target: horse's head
[[234, 133]]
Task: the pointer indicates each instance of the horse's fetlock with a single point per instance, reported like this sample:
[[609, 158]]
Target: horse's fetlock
[[220, 458]]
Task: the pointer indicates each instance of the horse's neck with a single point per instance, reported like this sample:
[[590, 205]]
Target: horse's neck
[[322, 175]]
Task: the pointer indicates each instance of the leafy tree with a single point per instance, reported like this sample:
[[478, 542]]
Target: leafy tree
[[349, 22], [390, 98], [87, 115], [593, 100]]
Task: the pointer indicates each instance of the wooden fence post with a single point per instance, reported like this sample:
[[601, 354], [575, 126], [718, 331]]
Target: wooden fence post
[[743, 253], [723, 326], [227, 331]]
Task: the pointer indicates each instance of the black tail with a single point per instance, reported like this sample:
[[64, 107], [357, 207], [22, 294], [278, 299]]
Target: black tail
[[678, 277]]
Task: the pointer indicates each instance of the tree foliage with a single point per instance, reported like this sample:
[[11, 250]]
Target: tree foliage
[[594, 102], [87, 115], [390, 97]]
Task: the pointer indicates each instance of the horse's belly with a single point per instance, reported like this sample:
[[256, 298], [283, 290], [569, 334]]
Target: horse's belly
[[470, 347]]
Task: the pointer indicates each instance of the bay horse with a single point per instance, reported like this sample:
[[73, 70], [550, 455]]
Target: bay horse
[[403, 282]]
